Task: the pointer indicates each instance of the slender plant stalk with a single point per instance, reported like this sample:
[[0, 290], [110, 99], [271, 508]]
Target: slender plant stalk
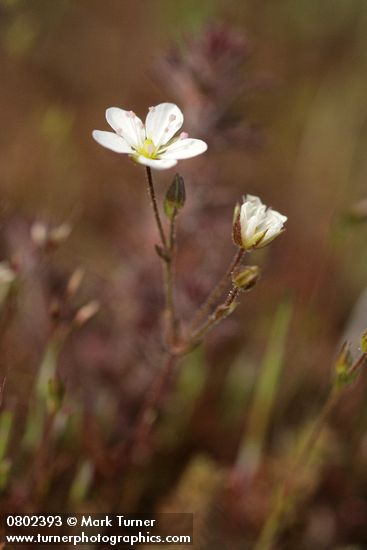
[[321, 421], [217, 291], [168, 249], [169, 282], [260, 413], [152, 405], [222, 311], [285, 493], [172, 232], [153, 200], [2, 390], [171, 320], [41, 466], [156, 393]]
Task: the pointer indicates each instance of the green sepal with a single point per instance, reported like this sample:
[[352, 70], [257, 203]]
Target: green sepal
[[175, 197]]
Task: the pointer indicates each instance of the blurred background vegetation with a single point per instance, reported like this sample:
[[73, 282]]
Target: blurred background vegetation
[[278, 89]]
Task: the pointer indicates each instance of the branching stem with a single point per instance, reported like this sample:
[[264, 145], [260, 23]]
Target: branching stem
[[216, 293], [220, 313], [167, 256]]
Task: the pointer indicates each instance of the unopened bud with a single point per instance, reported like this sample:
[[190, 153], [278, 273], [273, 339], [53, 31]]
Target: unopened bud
[[175, 197], [75, 282], [364, 342], [86, 312], [7, 274], [46, 238], [344, 362], [357, 212], [7, 278], [39, 233], [59, 234], [247, 277]]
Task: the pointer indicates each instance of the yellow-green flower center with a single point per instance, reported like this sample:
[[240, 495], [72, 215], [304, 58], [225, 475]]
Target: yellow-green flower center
[[148, 149]]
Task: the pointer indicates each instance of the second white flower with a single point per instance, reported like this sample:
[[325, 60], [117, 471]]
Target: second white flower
[[255, 225]]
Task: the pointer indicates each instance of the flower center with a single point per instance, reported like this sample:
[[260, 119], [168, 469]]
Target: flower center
[[148, 149]]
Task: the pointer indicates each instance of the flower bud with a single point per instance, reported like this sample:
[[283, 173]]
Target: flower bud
[[247, 277], [364, 342], [75, 281], [7, 278], [59, 234], [46, 238], [86, 312], [39, 233], [344, 362], [175, 197], [255, 225]]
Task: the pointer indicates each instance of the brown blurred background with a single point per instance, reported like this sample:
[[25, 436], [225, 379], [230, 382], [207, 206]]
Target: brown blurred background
[[278, 89]]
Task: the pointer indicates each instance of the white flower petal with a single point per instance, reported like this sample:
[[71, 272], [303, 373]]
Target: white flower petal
[[252, 206], [157, 164], [253, 200], [127, 125], [111, 141], [162, 122], [252, 214], [273, 224], [259, 225], [269, 237], [184, 149], [277, 216], [248, 227]]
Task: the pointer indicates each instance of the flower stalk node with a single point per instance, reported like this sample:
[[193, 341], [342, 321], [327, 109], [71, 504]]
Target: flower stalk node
[[162, 253]]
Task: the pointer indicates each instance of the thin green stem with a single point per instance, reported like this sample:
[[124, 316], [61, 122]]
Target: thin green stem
[[151, 407], [307, 451], [172, 233], [153, 200], [167, 259], [286, 491], [171, 321]]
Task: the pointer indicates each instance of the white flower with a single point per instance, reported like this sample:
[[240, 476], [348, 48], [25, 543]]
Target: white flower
[[255, 225], [153, 144]]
